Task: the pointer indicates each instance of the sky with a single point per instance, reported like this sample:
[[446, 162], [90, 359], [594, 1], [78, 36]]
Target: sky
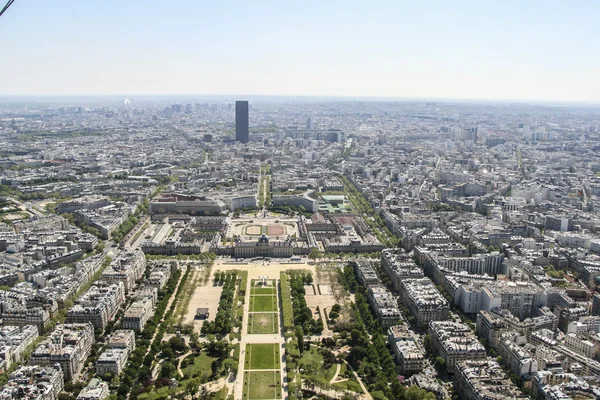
[[499, 50]]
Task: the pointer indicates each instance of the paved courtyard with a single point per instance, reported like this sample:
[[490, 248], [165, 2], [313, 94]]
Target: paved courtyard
[[205, 296], [251, 229]]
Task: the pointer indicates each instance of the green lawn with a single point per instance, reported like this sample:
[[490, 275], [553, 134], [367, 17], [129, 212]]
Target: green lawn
[[312, 364], [262, 385], [351, 384], [262, 356], [263, 290], [200, 367], [263, 303], [263, 323], [161, 393], [221, 394]]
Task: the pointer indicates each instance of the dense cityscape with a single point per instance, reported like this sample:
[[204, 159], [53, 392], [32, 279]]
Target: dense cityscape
[[296, 248]]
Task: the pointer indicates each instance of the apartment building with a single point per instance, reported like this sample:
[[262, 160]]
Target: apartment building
[[399, 266], [98, 305], [13, 341], [138, 313], [34, 382], [519, 359], [385, 305], [95, 390], [408, 352], [454, 342], [423, 300], [484, 379], [112, 361], [69, 345]]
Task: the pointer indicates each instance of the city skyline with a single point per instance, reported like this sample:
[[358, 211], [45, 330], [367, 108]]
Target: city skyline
[[445, 242], [508, 52]]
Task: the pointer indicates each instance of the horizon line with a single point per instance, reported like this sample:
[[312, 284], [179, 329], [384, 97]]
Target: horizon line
[[320, 96]]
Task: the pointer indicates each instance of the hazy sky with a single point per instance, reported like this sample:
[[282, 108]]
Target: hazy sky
[[534, 50]]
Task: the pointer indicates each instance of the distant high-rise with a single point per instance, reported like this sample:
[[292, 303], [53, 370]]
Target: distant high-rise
[[596, 305], [241, 121], [470, 134], [309, 124]]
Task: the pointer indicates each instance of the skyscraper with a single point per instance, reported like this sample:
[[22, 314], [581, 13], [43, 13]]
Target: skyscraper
[[241, 121], [309, 124]]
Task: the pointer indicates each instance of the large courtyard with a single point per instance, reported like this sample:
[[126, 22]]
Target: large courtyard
[[252, 229]]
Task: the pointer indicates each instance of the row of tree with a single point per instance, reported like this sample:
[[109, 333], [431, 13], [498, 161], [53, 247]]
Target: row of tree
[[223, 323], [124, 228], [202, 257], [378, 227], [302, 314]]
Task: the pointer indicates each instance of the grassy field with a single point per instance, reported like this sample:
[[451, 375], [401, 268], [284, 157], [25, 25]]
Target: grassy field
[[263, 290], [201, 366], [221, 394], [286, 302], [262, 385], [349, 384], [311, 363], [263, 323], [262, 356], [263, 303]]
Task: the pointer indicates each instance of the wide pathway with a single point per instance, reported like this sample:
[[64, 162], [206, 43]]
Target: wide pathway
[[269, 338]]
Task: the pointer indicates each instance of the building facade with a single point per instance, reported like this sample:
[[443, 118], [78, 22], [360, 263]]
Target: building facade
[[454, 342], [69, 345], [242, 133], [484, 380]]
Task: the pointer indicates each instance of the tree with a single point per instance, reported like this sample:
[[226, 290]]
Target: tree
[[218, 349], [300, 339], [318, 327], [328, 358], [356, 337], [427, 343], [416, 393], [167, 352], [144, 374], [314, 254], [192, 387], [168, 370], [177, 344], [398, 389], [372, 355], [194, 340], [356, 355], [440, 364], [333, 315], [229, 365], [216, 365], [123, 390]]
